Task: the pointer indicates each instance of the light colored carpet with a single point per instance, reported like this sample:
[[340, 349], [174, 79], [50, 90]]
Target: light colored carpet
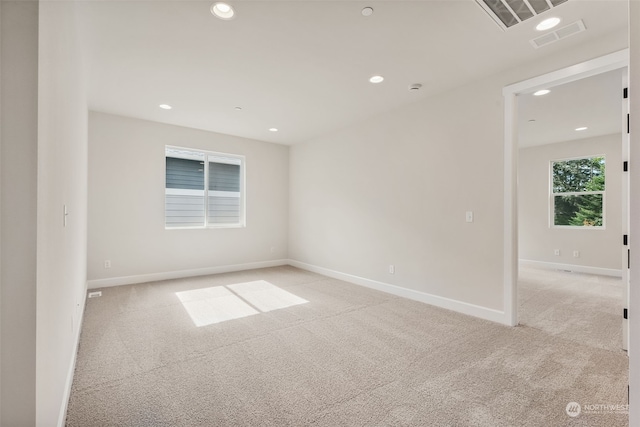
[[350, 356], [584, 308]]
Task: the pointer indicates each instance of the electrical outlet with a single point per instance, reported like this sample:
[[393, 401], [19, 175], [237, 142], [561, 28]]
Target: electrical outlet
[[576, 254], [556, 252], [107, 263], [392, 269], [273, 249], [469, 216]]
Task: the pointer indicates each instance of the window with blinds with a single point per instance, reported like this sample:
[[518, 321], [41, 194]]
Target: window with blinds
[[203, 189]]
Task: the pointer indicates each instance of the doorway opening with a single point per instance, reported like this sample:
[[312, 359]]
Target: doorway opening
[[570, 210], [512, 93]]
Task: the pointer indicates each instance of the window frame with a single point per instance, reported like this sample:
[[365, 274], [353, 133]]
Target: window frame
[[552, 196], [207, 155]]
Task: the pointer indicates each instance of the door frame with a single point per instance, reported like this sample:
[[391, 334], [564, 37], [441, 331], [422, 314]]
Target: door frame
[[613, 61]]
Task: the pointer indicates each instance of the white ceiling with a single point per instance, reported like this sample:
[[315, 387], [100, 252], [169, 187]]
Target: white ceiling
[[594, 102], [302, 66]]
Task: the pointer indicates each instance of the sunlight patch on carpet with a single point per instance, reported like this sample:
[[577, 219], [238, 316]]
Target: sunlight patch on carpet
[[217, 304], [266, 296]]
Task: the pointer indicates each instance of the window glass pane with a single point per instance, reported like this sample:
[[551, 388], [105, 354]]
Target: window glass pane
[[224, 193], [184, 188], [224, 177], [580, 210], [224, 209], [183, 173], [579, 175], [184, 208]]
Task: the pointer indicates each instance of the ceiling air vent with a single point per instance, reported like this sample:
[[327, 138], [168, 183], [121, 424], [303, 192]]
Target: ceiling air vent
[[559, 34], [508, 13]]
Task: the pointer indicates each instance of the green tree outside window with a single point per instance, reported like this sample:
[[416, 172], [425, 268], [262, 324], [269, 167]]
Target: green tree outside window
[[578, 192]]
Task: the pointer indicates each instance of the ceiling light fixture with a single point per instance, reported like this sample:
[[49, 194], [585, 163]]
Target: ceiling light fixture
[[376, 79], [581, 128], [273, 130], [222, 11], [165, 106], [367, 11], [547, 24], [541, 92], [238, 108]]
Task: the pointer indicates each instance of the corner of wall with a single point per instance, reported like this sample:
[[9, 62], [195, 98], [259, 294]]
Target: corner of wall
[[18, 106], [62, 168]]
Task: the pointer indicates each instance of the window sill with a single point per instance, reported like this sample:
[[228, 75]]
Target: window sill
[[578, 227], [209, 227]]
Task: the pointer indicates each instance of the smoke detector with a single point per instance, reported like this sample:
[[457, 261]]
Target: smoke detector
[[415, 87]]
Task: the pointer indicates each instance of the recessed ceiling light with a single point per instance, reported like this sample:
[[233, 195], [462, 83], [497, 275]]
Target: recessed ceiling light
[[541, 92], [222, 10], [547, 24], [367, 11], [273, 130], [376, 79], [165, 106], [581, 128]]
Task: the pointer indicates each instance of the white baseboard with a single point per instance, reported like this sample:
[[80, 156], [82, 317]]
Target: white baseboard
[[438, 301], [447, 303], [152, 277], [62, 417], [571, 267]]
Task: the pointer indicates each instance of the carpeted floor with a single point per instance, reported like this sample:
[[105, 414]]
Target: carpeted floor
[[285, 347], [585, 308]]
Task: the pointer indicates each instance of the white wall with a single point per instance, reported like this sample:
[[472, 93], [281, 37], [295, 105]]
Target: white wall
[[19, 105], [394, 190], [126, 203], [44, 144], [62, 180], [599, 248]]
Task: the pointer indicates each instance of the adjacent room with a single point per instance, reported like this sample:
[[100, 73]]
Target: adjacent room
[[573, 209], [299, 213]]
